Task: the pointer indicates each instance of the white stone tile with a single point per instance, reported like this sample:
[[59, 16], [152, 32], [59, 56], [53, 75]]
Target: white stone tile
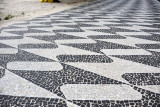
[[116, 69], [133, 33], [39, 21], [12, 84], [78, 19], [61, 50], [35, 66], [130, 41], [125, 52], [137, 28], [5, 34], [68, 41], [94, 28], [16, 29], [40, 34], [59, 24], [101, 23], [137, 23], [141, 19], [8, 51], [99, 92]]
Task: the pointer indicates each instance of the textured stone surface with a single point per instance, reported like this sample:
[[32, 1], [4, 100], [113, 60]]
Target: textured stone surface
[[104, 53]]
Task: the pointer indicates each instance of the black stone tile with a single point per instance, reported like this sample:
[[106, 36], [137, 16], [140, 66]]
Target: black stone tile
[[27, 31], [149, 46], [4, 46], [151, 60], [142, 78], [38, 46], [85, 58], [106, 37], [21, 56], [113, 30], [14, 101], [153, 37]]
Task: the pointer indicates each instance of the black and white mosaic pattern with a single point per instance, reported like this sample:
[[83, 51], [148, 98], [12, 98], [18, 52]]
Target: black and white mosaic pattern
[[104, 53]]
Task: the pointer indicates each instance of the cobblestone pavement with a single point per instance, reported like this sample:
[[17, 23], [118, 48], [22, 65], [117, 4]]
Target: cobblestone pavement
[[105, 53]]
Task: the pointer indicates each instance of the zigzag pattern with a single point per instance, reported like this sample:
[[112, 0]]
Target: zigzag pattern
[[104, 53]]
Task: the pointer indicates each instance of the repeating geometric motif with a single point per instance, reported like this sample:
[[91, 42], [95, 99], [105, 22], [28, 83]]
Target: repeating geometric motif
[[104, 53]]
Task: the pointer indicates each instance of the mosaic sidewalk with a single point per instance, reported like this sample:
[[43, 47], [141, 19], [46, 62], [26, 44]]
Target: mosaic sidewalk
[[105, 53]]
